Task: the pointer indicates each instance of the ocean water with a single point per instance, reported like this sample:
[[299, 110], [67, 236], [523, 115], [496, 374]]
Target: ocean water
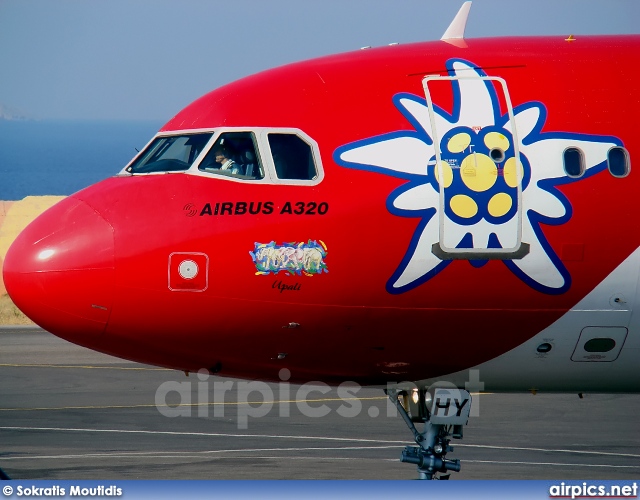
[[62, 157]]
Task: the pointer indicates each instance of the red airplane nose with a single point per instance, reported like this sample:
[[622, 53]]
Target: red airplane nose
[[60, 271]]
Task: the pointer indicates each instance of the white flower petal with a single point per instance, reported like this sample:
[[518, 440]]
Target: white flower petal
[[594, 152], [537, 265], [454, 233], [421, 113], [526, 120], [418, 198], [507, 233], [401, 154], [543, 202], [422, 261], [546, 156], [476, 104], [480, 233]]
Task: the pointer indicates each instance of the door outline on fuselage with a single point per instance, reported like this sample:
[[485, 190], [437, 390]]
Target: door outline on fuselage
[[449, 231]]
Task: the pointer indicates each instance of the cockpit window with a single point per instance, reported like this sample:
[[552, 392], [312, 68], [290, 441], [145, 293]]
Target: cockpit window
[[285, 156], [170, 154], [292, 157], [234, 154]]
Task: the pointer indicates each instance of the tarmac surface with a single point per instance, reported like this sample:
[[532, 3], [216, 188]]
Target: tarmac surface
[[70, 413]]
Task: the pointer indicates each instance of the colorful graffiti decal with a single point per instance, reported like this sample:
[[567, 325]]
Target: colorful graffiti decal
[[478, 208], [295, 258]]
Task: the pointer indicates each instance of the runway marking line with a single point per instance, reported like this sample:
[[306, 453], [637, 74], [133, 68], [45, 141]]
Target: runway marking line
[[174, 454], [186, 405], [224, 403], [318, 438], [154, 454], [553, 463]]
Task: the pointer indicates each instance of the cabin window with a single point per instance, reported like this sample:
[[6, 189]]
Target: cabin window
[[618, 162], [234, 154], [170, 153], [292, 157], [574, 162]]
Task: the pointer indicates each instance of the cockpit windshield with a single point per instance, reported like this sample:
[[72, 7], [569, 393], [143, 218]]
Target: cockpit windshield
[[260, 154], [170, 154]]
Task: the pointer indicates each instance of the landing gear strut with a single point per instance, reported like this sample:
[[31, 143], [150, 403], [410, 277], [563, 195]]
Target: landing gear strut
[[443, 412]]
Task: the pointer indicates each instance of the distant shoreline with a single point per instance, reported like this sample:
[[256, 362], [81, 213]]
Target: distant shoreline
[[10, 315], [14, 217]]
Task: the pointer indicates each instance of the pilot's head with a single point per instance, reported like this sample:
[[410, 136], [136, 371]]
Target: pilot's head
[[221, 155]]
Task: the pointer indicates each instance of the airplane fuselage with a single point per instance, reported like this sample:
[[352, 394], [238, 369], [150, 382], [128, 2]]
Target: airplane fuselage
[[435, 227]]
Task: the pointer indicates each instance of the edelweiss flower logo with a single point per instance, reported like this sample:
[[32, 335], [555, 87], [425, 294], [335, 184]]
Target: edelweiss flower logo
[[479, 193]]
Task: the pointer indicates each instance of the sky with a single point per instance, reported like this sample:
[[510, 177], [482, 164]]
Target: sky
[[147, 59]]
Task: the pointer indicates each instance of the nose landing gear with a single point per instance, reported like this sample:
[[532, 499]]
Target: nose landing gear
[[443, 411]]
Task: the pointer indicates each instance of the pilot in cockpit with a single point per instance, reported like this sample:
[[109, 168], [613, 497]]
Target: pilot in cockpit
[[222, 157]]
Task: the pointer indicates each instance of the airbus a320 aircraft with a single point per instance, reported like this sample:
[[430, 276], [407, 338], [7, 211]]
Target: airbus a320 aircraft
[[461, 211]]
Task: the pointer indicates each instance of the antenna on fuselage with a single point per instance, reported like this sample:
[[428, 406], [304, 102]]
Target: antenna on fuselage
[[455, 31]]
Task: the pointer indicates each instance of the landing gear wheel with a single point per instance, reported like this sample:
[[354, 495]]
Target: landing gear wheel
[[443, 412]]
